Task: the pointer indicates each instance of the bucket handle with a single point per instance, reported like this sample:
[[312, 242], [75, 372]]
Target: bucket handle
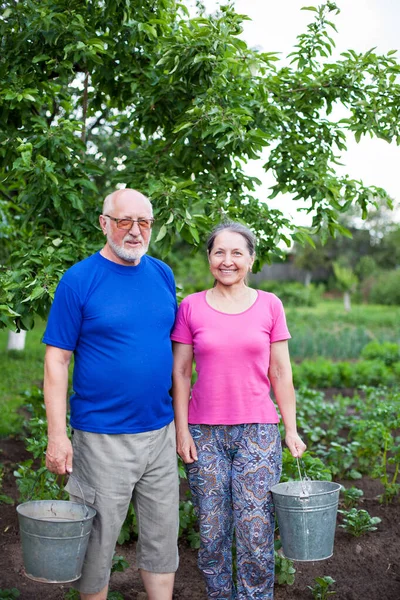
[[303, 493], [40, 473], [83, 495]]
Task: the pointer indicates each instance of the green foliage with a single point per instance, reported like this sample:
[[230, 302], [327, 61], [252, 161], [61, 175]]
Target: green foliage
[[320, 591], [351, 497], [358, 522], [188, 523], [322, 373], [9, 594], [140, 93], [378, 450], [34, 481], [119, 564], [74, 595], [113, 595], [346, 280], [388, 352], [385, 289], [18, 370], [129, 527], [350, 437], [312, 466], [284, 569], [328, 331], [293, 293], [4, 499]]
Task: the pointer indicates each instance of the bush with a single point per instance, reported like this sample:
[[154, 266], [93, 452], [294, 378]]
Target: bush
[[322, 373], [293, 293], [388, 352], [386, 289]]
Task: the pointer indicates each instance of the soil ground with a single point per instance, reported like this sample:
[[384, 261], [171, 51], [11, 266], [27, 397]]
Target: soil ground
[[364, 568]]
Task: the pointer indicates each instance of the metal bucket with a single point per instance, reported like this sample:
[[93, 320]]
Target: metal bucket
[[54, 536], [306, 514]]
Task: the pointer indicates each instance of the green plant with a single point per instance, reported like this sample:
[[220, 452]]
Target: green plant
[[292, 293], [351, 497], [115, 596], [129, 527], [311, 466], [188, 523], [3, 497], [340, 458], [284, 569], [74, 595], [119, 564], [386, 289], [357, 522], [9, 594], [38, 485], [388, 352], [320, 590]]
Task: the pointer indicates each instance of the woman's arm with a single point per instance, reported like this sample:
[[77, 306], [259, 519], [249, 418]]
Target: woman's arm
[[182, 376], [280, 375]]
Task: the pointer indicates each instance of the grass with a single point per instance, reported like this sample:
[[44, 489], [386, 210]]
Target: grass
[[19, 371], [328, 331]]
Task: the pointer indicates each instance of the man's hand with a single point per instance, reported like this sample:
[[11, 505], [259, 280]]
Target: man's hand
[[59, 455]]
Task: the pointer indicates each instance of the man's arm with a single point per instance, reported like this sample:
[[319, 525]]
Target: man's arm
[[59, 447]]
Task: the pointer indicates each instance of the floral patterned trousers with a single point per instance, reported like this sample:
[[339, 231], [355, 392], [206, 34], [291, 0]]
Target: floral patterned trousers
[[230, 484]]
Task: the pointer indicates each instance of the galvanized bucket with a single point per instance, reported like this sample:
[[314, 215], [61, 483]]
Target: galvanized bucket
[[306, 513], [54, 536]]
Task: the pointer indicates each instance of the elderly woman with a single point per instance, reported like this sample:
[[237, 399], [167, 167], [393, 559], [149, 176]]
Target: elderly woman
[[227, 425]]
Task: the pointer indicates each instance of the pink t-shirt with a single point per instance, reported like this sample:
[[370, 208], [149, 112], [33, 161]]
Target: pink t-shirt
[[232, 354]]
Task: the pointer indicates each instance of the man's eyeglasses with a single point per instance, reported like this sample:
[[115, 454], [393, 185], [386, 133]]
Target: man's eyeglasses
[[144, 224]]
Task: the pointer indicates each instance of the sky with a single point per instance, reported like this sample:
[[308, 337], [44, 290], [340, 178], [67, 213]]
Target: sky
[[361, 25]]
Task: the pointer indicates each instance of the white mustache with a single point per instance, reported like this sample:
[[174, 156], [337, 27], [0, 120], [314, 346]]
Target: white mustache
[[132, 238]]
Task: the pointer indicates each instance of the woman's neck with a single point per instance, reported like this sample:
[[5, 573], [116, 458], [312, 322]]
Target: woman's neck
[[232, 299]]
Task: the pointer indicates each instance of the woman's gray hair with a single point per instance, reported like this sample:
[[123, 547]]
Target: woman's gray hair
[[244, 231]]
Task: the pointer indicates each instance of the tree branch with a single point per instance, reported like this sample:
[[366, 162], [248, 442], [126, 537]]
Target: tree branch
[[85, 106]]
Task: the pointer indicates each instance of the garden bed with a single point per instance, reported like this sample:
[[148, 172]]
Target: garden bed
[[367, 567]]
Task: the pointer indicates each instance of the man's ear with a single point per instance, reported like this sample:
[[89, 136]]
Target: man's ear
[[103, 224]]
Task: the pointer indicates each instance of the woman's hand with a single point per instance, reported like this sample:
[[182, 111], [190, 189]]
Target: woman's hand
[[185, 447], [295, 444]]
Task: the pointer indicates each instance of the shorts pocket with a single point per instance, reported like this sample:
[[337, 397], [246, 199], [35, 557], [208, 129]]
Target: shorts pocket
[[80, 489]]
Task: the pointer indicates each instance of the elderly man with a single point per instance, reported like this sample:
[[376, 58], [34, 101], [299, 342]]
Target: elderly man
[[115, 311]]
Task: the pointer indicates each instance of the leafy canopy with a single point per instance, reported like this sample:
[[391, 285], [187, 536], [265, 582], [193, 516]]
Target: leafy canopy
[[98, 93]]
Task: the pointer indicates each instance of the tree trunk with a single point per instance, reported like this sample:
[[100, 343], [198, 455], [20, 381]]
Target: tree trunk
[[307, 279], [16, 341], [347, 301]]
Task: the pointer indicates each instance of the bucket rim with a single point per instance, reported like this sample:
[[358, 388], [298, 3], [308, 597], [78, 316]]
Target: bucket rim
[[335, 489], [84, 517]]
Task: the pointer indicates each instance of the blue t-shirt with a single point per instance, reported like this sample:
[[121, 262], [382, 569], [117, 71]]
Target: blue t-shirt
[[117, 320]]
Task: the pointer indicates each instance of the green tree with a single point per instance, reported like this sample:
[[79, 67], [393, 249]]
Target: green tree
[[346, 281], [99, 93]]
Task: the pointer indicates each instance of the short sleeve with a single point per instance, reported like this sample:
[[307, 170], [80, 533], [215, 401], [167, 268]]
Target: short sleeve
[[279, 331], [65, 319], [182, 332]]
